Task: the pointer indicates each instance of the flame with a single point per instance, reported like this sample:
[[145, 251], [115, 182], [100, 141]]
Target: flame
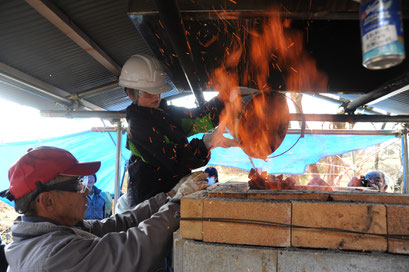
[[260, 124], [260, 180]]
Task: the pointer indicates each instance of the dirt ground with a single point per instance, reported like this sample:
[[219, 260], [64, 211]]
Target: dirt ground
[[7, 216]]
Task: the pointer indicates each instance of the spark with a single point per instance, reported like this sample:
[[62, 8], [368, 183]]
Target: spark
[[293, 69], [209, 42]]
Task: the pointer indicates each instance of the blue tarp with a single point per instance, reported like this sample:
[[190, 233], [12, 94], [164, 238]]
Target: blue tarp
[[85, 146], [94, 146], [308, 150]]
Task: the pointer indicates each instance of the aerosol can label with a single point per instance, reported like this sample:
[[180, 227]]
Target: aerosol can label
[[382, 33]]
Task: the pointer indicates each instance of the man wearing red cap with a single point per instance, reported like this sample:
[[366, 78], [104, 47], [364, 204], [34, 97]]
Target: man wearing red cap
[[49, 188]]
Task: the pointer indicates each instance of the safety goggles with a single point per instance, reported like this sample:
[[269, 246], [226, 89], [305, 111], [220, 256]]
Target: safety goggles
[[148, 95], [76, 185]]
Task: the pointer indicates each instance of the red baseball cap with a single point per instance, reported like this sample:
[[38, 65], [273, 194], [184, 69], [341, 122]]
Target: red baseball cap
[[43, 164]]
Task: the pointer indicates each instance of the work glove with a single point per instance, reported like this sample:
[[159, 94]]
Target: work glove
[[215, 138], [189, 184], [241, 92], [247, 91]]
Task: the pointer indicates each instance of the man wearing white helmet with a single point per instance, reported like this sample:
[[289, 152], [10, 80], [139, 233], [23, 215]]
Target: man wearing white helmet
[[157, 134]]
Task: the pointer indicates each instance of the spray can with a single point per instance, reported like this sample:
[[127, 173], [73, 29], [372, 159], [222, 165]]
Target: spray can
[[381, 33]]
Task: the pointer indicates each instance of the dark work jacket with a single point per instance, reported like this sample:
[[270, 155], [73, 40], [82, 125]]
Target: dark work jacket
[[3, 261], [161, 154]]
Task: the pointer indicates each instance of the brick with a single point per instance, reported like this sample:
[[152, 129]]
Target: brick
[[192, 206], [371, 197], [241, 190], [354, 217], [398, 223], [229, 189], [239, 233], [288, 195]]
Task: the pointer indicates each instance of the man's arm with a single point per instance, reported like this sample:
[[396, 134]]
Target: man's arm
[[128, 219], [201, 119], [140, 248]]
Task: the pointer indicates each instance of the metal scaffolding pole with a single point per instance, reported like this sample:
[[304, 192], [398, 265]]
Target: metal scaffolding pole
[[405, 157], [85, 114], [293, 116], [392, 88], [118, 162], [343, 132]]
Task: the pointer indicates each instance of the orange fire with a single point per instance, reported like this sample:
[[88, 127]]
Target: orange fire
[[263, 181], [261, 124]]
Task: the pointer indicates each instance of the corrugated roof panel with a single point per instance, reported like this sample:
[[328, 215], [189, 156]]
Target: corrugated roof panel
[[113, 100], [31, 44], [107, 23], [34, 46], [397, 104]]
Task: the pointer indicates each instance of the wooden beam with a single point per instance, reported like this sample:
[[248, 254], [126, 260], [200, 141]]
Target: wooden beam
[[47, 9]]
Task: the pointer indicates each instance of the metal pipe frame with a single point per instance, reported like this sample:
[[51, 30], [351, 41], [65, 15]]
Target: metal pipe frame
[[298, 131], [118, 162], [95, 91], [405, 158], [173, 23], [293, 116], [343, 102], [349, 118], [85, 114], [35, 90], [392, 88], [103, 129], [32, 85], [343, 132]]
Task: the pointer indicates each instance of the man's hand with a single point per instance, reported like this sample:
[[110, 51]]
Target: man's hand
[[189, 184]]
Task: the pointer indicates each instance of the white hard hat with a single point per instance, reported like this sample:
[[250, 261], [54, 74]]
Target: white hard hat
[[145, 73]]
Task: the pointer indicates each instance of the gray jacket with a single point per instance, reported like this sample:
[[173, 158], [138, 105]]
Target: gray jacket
[[131, 241]]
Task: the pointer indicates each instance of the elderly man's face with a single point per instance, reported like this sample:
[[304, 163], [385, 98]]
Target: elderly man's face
[[379, 183], [69, 207]]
